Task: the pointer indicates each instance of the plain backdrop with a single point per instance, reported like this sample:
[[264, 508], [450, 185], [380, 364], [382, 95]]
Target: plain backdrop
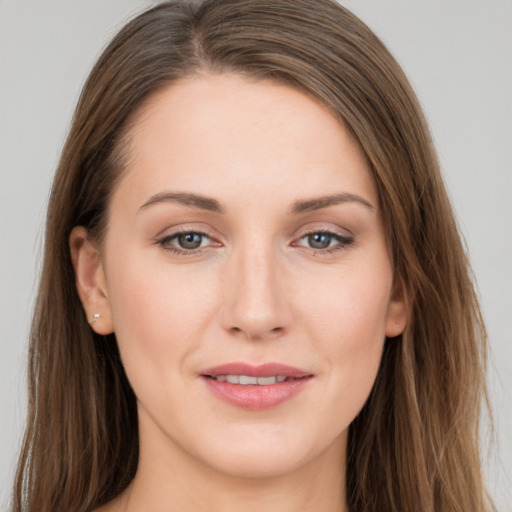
[[458, 56]]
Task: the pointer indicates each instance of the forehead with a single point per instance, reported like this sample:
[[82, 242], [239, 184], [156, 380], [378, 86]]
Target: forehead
[[227, 134]]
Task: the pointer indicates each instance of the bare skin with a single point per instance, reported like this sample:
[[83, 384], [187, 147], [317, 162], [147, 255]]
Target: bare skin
[[246, 229]]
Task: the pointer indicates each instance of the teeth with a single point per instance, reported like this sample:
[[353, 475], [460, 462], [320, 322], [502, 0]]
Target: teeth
[[246, 380], [266, 380]]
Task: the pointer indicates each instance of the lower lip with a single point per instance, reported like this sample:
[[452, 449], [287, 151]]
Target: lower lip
[[255, 397]]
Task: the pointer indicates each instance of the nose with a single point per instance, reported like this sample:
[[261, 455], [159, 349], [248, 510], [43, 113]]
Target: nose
[[256, 306]]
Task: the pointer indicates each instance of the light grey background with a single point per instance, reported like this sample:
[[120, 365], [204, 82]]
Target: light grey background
[[458, 55]]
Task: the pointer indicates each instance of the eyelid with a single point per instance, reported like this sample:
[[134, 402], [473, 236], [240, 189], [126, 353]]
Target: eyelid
[[185, 226], [343, 240], [336, 236], [341, 236], [177, 233], [323, 227], [165, 237]]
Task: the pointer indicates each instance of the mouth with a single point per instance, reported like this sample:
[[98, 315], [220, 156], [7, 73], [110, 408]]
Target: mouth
[[247, 380], [255, 387]]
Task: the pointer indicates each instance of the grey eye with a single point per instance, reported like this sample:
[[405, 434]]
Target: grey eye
[[319, 240], [189, 240]]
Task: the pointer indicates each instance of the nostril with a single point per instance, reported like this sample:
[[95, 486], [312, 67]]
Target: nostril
[[251, 333]]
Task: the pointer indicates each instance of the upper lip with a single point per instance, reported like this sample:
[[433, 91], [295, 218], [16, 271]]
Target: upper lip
[[262, 370]]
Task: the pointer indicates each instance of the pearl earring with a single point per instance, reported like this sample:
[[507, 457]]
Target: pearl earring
[[94, 318]]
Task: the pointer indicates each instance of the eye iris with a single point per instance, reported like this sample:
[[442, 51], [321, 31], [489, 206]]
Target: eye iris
[[190, 240], [319, 240]]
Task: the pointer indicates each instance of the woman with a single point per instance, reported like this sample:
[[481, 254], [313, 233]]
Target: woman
[[254, 293]]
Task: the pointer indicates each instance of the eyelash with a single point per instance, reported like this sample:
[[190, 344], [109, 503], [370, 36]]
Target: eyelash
[[166, 242], [342, 242]]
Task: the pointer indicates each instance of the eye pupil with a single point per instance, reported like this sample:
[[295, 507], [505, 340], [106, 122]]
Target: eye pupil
[[319, 240], [190, 240]]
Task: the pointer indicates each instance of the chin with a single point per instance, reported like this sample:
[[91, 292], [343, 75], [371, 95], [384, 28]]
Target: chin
[[258, 464], [267, 454]]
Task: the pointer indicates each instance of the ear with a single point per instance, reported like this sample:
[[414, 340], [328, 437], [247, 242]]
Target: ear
[[397, 310], [90, 280]]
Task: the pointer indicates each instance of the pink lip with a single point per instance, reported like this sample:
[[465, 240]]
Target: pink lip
[[256, 397]]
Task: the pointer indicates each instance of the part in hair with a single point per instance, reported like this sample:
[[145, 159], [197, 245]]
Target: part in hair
[[414, 445]]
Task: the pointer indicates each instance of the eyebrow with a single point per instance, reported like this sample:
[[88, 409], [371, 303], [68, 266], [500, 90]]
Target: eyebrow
[[186, 199], [212, 205], [325, 201]]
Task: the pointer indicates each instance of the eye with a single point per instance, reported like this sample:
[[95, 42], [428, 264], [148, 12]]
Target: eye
[[319, 240], [324, 241], [190, 240], [185, 241]]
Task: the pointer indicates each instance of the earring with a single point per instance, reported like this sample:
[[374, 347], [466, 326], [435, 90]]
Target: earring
[[94, 318]]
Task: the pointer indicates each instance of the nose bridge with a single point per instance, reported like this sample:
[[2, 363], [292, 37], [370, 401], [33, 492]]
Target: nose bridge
[[256, 306]]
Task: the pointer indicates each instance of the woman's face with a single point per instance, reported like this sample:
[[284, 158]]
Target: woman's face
[[245, 232]]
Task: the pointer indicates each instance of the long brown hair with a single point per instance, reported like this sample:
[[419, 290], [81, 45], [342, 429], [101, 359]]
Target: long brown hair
[[414, 446]]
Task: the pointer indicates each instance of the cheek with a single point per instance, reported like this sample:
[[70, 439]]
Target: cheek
[[158, 311], [347, 320], [350, 307]]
